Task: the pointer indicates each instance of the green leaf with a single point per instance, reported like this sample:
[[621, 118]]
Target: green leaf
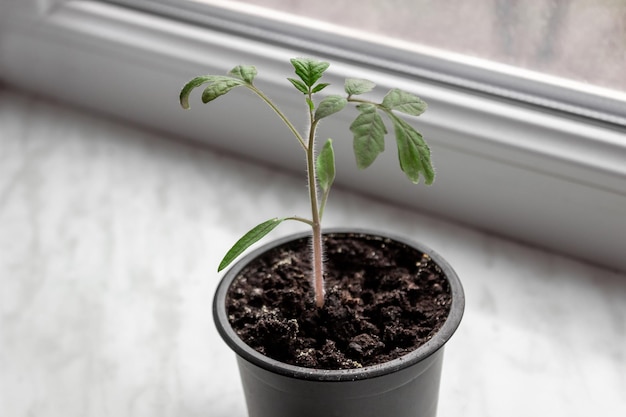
[[325, 166], [244, 72], [310, 103], [319, 87], [248, 240], [219, 87], [404, 102], [309, 70], [413, 152], [196, 82], [330, 105], [369, 135], [356, 86], [299, 85]]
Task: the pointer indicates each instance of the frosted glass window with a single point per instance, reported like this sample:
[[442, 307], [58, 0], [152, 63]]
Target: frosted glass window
[[581, 40]]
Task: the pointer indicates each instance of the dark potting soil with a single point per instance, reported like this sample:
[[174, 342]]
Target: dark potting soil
[[383, 300]]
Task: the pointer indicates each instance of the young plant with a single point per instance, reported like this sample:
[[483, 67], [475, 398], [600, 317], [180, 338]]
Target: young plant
[[368, 130]]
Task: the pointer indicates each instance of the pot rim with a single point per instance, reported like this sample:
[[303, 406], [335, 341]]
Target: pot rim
[[424, 351]]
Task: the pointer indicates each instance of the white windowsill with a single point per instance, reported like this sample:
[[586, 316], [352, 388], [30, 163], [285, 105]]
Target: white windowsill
[[110, 237]]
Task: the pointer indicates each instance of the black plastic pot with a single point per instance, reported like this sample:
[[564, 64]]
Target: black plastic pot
[[404, 387]]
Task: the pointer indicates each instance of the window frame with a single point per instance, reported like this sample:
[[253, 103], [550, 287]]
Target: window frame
[[526, 170], [436, 66]]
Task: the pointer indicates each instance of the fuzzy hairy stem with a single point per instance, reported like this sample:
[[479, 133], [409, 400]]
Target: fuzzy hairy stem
[[315, 223], [317, 245]]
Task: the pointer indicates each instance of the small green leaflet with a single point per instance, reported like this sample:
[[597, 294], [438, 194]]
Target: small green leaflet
[[413, 152], [369, 135], [299, 85], [219, 88], [196, 82], [304, 89], [356, 86], [310, 103], [244, 72], [325, 166], [404, 102], [330, 105], [248, 240], [309, 70], [319, 87], [218, 85]]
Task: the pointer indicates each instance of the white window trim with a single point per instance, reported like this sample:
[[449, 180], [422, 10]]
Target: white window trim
[[394, 55], [542, 177]]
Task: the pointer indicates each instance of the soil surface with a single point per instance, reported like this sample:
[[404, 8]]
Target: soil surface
[[383, 300]]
